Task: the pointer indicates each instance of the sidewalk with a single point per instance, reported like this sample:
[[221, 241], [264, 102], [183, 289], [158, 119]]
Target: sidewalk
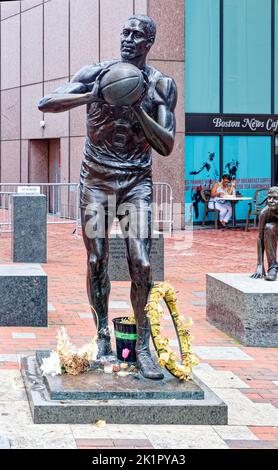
[[246, 378]]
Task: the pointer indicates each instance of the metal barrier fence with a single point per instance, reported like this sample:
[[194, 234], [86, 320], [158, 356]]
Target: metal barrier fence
[[163, 206], [162, 209], [63, 204]]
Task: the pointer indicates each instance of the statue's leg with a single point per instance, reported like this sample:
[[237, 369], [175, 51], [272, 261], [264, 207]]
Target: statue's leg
[[98, 283], [270, 244], [138, 243]]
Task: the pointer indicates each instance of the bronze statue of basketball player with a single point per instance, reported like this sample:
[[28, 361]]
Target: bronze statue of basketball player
[[267, 239], [117, 161]]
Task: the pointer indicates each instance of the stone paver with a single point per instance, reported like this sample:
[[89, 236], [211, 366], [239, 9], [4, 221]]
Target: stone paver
[[198, 303], [112, 431], [11, 386], [85, 315], [50, 307], [118, 304], [4, 443], [23, 335], [246, 378], [8, 358], [224, 353], [220, 379], [242, 411], [201, 294], [235, 433], [185, 437], [37, 436]]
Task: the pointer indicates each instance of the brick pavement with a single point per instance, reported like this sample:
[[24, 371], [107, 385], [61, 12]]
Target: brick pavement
[[244, 377]]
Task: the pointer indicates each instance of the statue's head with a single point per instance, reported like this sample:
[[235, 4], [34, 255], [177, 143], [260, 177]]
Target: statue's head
[[272, 198], [137, 37]]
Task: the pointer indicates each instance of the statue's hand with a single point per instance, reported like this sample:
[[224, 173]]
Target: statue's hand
[[144, 92], [95, 94], [259, 273]]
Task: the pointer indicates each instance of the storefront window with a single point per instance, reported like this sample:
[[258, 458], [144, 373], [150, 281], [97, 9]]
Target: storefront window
[[202, 43], [247, 56], [201, 170], [249, 160]]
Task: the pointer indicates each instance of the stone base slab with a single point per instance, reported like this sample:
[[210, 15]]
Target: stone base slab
[[210, 410], [243, 307], [96, 385]]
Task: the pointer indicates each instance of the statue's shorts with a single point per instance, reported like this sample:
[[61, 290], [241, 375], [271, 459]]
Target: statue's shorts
[[126, 195]]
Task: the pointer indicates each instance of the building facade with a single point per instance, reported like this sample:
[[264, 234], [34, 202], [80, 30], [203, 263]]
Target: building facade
[[231, 96], [43, 44]]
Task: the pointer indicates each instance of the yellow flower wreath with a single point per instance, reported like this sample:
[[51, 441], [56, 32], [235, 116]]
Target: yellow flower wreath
[[166, 357]]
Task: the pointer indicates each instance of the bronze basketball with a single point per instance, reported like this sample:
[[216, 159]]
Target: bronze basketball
[[122, 85]]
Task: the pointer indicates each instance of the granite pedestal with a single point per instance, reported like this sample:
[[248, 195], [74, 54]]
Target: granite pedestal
[[29, 228], [245, 308], [118, 267], [23, 295], [132, 399]]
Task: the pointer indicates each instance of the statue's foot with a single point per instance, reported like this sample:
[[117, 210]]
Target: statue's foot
[[148, 368], [271, 274], [104, 347]]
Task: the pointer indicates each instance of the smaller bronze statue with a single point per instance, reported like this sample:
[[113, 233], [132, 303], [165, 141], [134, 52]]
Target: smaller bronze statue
[[267, 239]]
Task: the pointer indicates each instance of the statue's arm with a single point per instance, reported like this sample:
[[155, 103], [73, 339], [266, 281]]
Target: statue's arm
[[80, 90], [160, 133], [260, 271]]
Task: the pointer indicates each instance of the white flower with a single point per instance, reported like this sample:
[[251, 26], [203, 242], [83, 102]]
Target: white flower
[[89, 351], [51, 365], [64, 344]]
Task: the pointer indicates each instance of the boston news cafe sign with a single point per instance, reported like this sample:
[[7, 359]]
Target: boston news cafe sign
[[230, 124]]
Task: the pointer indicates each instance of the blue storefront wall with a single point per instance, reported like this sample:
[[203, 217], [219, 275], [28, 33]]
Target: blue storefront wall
[[202, 162], [248, 158]]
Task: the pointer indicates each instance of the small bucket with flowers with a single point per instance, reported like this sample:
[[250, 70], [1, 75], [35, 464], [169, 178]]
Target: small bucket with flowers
[[126, 336]]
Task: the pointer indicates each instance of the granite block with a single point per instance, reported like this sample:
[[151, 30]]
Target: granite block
[[243, 307], [29, 228], [118, 268], [208, 411], [23, 294]]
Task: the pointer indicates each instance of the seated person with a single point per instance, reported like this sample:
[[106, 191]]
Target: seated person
[[222, 188]]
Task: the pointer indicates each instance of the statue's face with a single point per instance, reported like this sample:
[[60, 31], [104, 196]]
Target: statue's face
[[272, 200], [134, 40]]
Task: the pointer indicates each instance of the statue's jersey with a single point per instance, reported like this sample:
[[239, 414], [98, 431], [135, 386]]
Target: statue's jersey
[[115, 140]]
